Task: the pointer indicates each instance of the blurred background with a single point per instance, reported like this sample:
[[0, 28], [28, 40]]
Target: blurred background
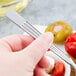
[[41, 12]]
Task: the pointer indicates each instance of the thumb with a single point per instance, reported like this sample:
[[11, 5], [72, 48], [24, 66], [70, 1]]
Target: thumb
[[35, 51]]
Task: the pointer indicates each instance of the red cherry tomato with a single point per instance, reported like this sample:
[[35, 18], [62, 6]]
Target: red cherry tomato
[[58, 69], [70, 45]]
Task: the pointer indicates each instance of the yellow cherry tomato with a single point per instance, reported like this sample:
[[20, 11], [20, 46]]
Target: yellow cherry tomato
[[61, 30]]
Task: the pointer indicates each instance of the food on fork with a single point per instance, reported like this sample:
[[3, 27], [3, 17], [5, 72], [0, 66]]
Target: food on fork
[[61, 30]]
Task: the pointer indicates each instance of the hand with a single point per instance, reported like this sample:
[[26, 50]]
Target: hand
[[16, 60]]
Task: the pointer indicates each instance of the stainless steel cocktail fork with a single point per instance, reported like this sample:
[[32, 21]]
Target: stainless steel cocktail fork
[[31, 30]]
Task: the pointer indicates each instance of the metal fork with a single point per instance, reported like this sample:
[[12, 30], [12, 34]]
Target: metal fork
[[31, 30]]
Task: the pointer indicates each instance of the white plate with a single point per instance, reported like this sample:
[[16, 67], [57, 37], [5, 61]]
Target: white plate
[[51, 54]]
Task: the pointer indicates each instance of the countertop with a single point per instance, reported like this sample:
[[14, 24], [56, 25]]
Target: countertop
[[42, 12]]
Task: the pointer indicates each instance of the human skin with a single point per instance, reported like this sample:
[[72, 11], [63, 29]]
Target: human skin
[[22, 55]]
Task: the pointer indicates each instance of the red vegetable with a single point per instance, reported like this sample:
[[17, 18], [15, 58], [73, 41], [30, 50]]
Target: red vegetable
[[58, 69], [70, 45]]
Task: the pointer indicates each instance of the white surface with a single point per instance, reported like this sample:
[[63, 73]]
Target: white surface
[[51, 54]]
